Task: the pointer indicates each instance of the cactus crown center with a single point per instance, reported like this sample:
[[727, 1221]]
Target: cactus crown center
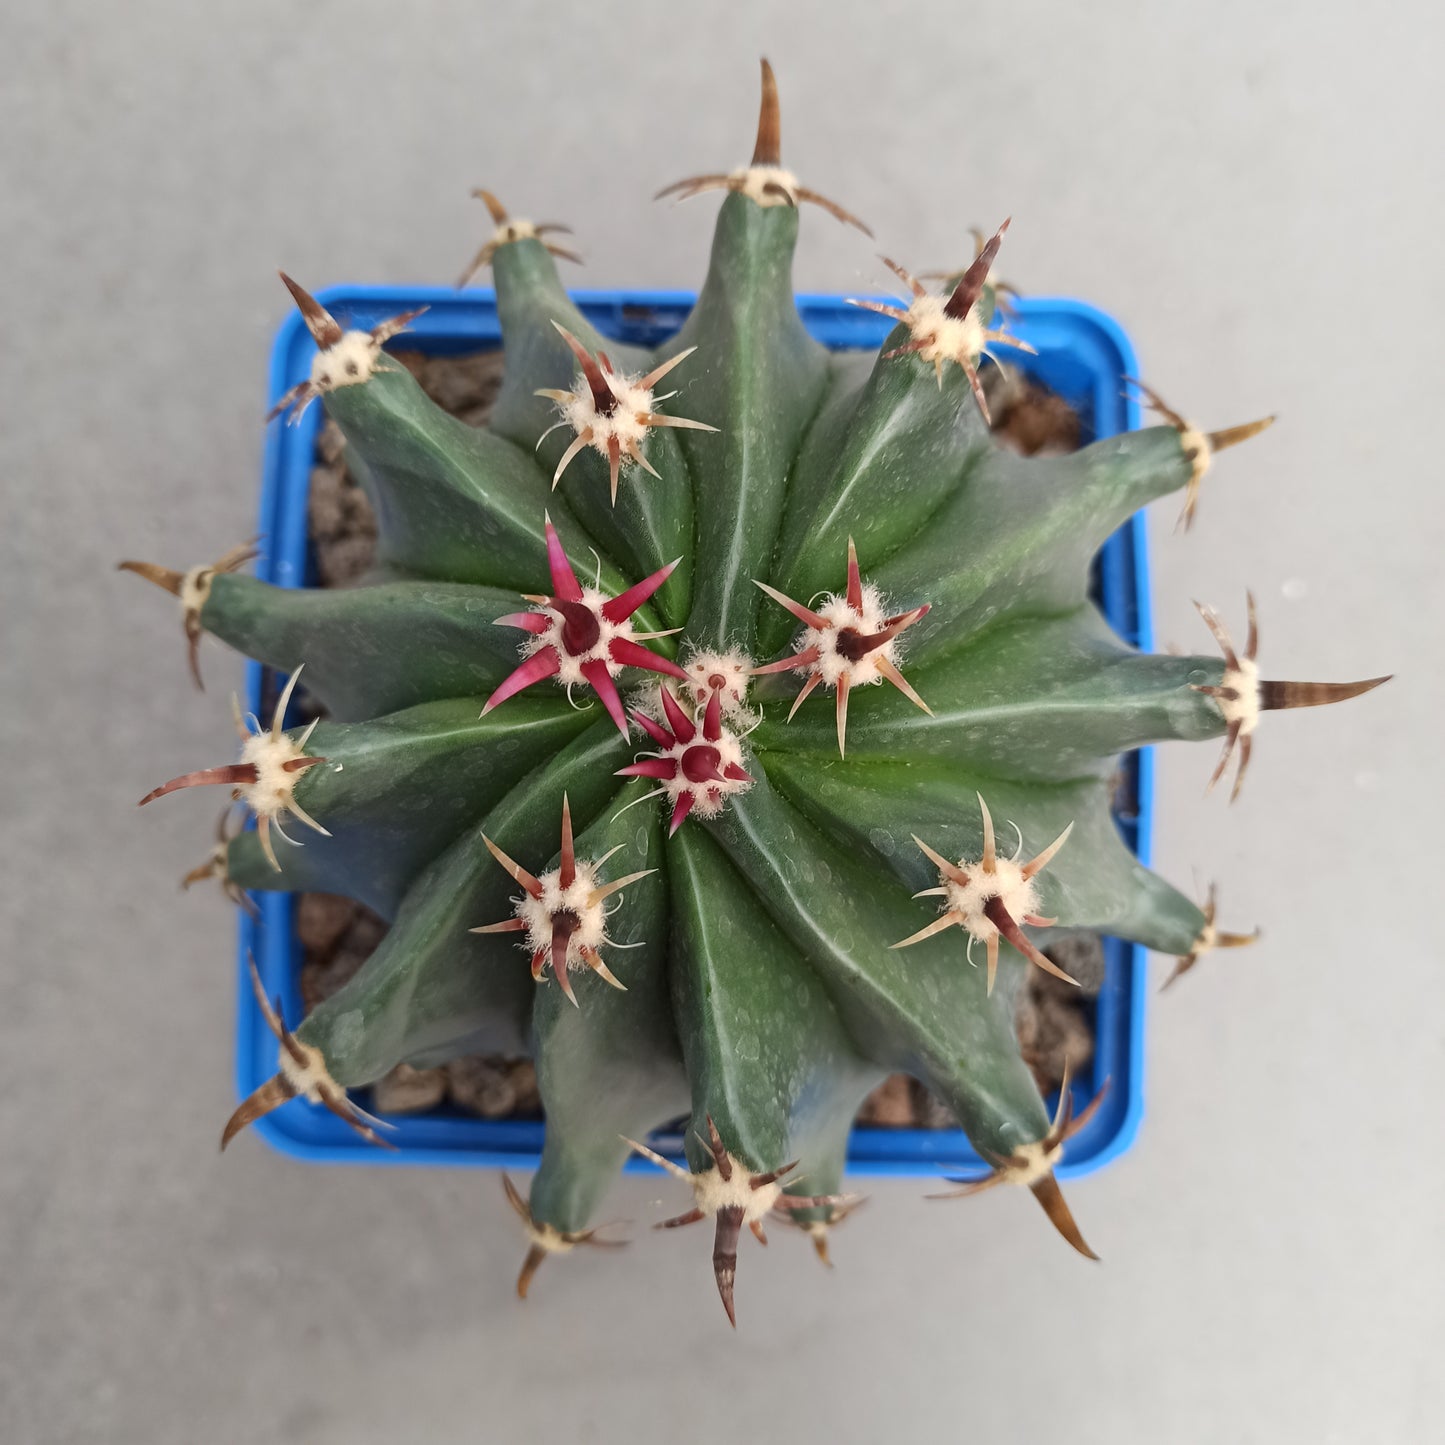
[[723, 673], [695, 773]]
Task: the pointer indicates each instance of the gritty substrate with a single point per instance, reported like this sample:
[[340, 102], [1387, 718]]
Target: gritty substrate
[[1054, 1020]]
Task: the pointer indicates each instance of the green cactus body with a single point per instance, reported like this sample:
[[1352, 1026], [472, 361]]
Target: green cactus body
[[752, 977]]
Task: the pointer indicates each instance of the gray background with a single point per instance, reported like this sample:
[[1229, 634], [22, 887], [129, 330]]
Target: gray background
[[1254, 191]]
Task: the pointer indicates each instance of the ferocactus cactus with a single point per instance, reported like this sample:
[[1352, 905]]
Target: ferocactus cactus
[[773, 873]]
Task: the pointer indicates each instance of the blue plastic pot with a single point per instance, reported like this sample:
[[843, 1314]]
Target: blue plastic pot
[[1082, 354]]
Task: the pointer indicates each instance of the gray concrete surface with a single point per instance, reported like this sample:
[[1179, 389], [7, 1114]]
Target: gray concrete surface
[[1254, 190]]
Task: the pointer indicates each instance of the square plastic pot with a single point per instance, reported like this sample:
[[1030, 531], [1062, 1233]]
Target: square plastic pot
[[1082, 354]]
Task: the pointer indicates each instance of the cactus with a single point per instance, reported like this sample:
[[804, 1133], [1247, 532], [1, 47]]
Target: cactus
[[645, 843]]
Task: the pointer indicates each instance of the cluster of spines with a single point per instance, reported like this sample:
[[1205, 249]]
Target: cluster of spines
[[764, 180], [698, 762], [265, 778], [951, 328], [849, 643], [583, 637], [732, 1195], [991, 899], [561, 912]]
